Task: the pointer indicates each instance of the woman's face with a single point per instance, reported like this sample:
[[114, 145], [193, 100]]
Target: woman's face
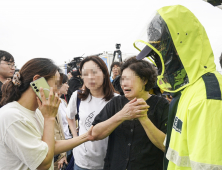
[[64, 88], [92, 75], [132, 85], [116, 70], [55, 82]]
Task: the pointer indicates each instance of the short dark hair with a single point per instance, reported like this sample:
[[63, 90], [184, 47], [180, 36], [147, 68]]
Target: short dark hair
[[38, 66], [115, 64], [6, 56], [108, 88], [143, 69], [64, 79], [221, 60]]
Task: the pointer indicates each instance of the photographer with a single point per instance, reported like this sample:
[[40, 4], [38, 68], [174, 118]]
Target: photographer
[[75, 82]]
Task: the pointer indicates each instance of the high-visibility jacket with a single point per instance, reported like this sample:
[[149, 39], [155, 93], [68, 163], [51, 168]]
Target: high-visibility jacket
[[196, 138]]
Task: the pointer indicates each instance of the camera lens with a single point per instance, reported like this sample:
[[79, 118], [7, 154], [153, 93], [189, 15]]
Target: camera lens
[[37, 90], [35, 87], [33, 84]]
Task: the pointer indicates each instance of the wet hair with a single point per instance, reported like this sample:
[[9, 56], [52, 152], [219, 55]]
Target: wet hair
[[6, 56], [38, 66], [107, 85], [115, 64], [143, 69], [221, 60]]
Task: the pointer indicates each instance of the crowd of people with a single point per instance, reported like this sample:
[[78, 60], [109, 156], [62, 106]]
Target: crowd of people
[[143, 116]]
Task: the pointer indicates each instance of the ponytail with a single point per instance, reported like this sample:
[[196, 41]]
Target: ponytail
[[10, 93], [38, 66]]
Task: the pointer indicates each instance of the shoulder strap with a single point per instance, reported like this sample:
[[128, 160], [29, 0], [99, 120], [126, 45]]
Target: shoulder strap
[[78, 102], [212, 86]]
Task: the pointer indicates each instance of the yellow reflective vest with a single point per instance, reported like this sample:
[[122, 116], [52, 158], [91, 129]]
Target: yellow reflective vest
[[196, 139]]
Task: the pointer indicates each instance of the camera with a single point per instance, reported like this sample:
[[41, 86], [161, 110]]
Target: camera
[[75, 62], [37, 90], [73, 66], [118, 46], [117, 53]]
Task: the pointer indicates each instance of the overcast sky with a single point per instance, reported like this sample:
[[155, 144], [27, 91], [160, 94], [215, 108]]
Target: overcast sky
[[62, 29]]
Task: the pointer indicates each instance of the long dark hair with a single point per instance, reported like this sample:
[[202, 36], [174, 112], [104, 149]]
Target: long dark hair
[[108, 89], [38, 66]]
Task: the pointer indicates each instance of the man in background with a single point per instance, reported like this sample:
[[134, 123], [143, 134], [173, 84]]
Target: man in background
[[115, 68], [7, 68], [75, 83]]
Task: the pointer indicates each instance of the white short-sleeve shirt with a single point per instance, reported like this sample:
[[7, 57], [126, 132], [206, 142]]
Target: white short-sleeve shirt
[[21, 145], [62, 112], [89, 155]]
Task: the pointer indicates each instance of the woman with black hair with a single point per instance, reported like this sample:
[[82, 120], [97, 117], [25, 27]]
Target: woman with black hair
[[25, 141], [135, 122], [98, 91]]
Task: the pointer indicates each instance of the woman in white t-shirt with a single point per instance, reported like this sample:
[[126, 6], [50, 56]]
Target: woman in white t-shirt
[[97, 93], [63, 106], [26, 142], [61, 127]]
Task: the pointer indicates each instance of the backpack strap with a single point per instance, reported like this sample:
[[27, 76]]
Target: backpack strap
[[78, 100], [212, 86]]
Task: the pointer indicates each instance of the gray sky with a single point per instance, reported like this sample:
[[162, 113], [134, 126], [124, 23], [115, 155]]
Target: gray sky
[[62, 29]]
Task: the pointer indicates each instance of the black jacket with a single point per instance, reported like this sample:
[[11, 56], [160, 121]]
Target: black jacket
[[75, 83]]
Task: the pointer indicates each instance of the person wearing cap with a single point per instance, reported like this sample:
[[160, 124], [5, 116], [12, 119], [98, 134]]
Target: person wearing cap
[[7, 68], [179, 46]]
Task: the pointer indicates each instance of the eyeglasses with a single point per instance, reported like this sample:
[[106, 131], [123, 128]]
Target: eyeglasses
[[9, 64], [117, 68]]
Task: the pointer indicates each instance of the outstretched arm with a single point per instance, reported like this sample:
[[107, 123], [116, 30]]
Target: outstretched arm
[[104, 129], [66, 145]]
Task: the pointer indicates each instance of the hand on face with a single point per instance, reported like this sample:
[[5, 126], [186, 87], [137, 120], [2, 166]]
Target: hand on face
[[49, 108], [136, 108]]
